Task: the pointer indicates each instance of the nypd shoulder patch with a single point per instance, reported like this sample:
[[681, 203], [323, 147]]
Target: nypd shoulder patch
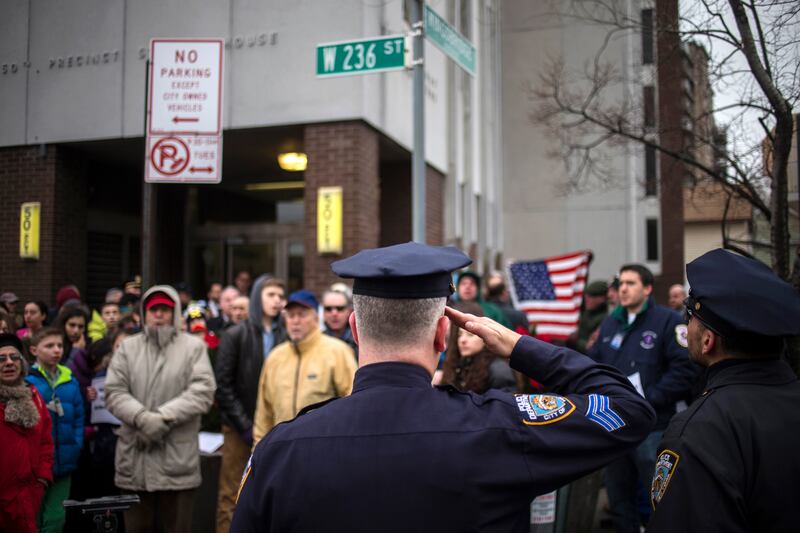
[[541, 409], [600, 412], [682, 335], [665, 467]]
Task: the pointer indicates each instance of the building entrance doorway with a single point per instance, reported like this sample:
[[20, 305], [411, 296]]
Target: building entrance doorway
[[223, 250]]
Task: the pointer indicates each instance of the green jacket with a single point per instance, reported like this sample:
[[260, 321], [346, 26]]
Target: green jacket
[[489, 309], [587, 323]]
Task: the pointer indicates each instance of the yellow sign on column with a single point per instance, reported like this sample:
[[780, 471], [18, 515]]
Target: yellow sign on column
[[329, 220], [29, 230]]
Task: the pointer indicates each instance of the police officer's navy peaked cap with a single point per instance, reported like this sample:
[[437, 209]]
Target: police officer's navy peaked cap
[[735, 295], [409, 270]]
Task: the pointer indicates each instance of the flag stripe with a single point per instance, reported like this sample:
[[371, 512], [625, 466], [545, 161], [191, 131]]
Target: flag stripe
[[550, 291], [554, 331], [559, 318]]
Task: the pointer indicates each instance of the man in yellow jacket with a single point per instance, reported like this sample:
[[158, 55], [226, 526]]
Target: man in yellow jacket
[[308, 368]]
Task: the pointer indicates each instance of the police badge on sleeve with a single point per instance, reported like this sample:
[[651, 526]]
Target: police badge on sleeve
[[540, 409], [665, 467]]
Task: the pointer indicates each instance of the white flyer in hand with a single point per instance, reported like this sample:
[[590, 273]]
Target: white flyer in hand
[[101, 415], [636, 381]]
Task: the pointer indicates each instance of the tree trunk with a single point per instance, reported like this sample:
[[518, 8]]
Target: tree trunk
[[781, 259], [779, 234]]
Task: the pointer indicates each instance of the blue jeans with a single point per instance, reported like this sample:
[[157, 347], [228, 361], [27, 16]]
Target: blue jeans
[[624, 479]]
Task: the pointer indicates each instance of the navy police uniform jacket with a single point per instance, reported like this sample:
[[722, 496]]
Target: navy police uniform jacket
[[654, 346], [401, 455], [730, 462]]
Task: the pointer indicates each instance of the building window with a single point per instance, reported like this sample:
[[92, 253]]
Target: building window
[[650, 181], [649, 101], [652, 239], [647, 36]]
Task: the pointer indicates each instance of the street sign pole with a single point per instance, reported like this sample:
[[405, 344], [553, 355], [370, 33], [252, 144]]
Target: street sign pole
[[418, 156], [147, 242]]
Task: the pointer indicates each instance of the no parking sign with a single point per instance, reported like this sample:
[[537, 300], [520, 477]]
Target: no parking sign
[[184, 111]]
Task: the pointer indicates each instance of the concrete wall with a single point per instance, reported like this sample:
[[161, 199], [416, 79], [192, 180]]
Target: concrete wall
[[540, 219], [76, 70], [701, 237]]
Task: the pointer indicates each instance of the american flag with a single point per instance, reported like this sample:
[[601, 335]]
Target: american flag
[[549, 291]]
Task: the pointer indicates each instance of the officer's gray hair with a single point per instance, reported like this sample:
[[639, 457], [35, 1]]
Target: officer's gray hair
[[396, 322]]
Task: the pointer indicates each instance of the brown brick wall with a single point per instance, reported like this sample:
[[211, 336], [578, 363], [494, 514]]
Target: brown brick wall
[[55, 178], [344, 154], [670, 111], [434, 207], [377, 198], [395, 200]]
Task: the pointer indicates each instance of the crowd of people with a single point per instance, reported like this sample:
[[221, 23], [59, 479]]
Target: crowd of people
[[96, 402]]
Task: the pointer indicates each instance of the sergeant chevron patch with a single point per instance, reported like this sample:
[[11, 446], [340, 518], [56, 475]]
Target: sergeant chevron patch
[[600, 412]]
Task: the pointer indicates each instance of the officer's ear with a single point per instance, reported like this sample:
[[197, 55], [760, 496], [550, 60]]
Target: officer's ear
[[440, 337], [708, 341], [353, 328]]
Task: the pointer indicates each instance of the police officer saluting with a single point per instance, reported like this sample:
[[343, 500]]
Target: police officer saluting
[[730, 462], [401, 455]]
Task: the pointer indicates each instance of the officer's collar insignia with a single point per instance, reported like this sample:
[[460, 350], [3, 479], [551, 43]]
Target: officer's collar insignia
[[665, 468], [697, 306], [600, 412], [541, 409], [682, 335]]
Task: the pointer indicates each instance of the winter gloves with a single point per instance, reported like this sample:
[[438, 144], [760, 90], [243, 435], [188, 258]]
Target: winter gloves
[[151, 427]]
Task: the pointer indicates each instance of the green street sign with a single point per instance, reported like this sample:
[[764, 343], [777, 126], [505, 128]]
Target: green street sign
[[449, 41], [361, 56]]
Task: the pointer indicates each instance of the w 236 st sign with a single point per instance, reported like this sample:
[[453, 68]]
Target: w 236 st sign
[[361, 56]]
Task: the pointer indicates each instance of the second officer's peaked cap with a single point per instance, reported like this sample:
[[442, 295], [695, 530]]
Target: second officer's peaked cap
[[410, 270], [736, 295]]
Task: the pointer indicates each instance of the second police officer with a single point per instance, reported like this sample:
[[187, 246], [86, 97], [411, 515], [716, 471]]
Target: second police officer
[[730, 461]]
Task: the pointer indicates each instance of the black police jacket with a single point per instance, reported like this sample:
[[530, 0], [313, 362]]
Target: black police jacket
[[238, 368], [400, 455], [730, 462]]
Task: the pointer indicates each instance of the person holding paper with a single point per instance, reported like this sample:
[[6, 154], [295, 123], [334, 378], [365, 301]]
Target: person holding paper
[[646, 342]]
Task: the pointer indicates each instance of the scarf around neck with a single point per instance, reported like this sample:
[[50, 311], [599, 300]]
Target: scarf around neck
[[20, 409]]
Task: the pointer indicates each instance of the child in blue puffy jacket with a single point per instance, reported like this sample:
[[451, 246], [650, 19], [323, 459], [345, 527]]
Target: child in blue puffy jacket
[[61, 392]]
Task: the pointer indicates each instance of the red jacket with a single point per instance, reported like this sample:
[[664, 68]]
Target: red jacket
[[27, 455]]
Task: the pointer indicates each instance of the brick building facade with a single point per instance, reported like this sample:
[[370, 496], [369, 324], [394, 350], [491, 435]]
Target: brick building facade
[[56, 179]]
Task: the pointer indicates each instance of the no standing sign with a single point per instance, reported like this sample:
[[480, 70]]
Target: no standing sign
[[184, 111]]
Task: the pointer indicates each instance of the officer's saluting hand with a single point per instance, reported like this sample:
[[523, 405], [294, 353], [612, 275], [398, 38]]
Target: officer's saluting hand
[[401, 455], [499, 339]]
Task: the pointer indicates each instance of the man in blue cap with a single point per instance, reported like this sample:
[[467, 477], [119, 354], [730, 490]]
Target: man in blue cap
[[309, 368], [401, 455], [730, 461]]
